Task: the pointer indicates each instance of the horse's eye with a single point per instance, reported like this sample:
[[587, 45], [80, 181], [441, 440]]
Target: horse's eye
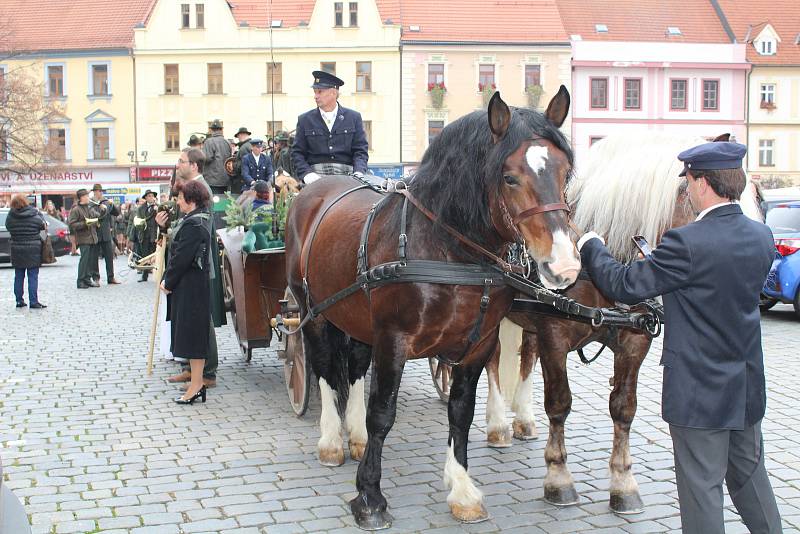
[[510, 180]]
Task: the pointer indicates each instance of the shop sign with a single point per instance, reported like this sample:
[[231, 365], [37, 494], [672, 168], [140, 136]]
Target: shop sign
[[153, 174], [394, 172], [64, 177]]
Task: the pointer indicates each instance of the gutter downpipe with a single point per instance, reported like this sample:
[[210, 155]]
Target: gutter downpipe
[[135, 122], [400, 49]]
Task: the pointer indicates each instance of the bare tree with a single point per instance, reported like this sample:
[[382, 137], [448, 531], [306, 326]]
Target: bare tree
[[24, 112]]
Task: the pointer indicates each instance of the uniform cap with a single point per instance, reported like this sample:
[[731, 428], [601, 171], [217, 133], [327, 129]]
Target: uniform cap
[[325, 80], [712, 156]]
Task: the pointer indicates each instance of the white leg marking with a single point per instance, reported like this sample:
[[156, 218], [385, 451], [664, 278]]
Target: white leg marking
[[495, 411], [330, 424], [537, 158], [356, 413], [463, 492], [523, 400]]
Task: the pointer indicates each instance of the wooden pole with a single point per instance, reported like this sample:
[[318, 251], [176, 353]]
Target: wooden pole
[[158, 273]]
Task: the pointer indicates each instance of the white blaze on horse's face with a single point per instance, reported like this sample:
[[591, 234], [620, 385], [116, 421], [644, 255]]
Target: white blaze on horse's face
[[537, 158], [561, 268]]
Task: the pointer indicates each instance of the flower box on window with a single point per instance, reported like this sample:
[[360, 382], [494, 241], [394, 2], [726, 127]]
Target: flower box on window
[[487, 90], [437, 92], [767, 105]]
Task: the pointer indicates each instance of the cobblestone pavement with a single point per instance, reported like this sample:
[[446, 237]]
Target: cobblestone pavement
[[90, 443]]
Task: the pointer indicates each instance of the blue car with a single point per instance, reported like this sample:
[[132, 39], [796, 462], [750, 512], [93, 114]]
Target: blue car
[[783, 282]]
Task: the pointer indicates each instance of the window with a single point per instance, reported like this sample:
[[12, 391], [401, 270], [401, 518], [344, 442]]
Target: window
[[3, 94], [363, 76], [594, 138], [274, 77], [710, 95], [200, 15], [171, 80], [599, 93], [677, 92], [765, 156], [767, 48], [338, 14], [767, 93], [99, 80], [100, 143], [485, 77], [434, 129], [368, 133], [184, 15], [172, 134], [435, 73], [274, 127], [353, 14], [55, 80], [533, 75], [328, 66], [633, 93], [215, 78], [5, 149], [57, 144]]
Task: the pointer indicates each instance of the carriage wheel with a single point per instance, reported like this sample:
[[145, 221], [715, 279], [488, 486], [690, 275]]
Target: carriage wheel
[[296, 371], [442, 375]]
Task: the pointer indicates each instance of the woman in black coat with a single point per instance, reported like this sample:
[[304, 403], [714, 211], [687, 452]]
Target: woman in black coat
[[24, 224], [187, 285]]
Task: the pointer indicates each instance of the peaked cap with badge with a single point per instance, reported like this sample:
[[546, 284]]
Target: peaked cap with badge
[[712, 156], [325, 80]]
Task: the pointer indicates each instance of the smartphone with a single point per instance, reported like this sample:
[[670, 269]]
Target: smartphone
[[642, 244]]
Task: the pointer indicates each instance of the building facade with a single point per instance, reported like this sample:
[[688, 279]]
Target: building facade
[[247, 66], [451, 64]]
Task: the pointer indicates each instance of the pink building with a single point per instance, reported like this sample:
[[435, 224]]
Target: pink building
[[646, 65]]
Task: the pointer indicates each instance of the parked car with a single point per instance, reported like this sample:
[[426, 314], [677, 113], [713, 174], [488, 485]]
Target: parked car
[[773, 197], [783, 282], [58, 231]]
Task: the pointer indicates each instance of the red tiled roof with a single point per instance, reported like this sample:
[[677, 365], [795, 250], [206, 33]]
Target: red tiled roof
[[783, 15], [72, 24], [257, 12], [643, 20], [476, 21]]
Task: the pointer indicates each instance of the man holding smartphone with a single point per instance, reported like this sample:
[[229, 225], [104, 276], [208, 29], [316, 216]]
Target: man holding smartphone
[[710, 274]]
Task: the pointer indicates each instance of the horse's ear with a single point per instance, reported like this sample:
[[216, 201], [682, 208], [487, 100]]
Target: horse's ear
[[724, 138], [558, 107], [499, 116]]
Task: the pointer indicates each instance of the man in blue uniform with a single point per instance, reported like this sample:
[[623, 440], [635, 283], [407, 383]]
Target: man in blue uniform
[[710, 274], [329, 139], [256, 166]]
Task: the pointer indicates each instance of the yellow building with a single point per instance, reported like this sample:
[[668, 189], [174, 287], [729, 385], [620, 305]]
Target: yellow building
[[474, 50], [237, 62], [86, 73], [773, 87]]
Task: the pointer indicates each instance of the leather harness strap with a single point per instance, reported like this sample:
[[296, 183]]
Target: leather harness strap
[[560, 206]]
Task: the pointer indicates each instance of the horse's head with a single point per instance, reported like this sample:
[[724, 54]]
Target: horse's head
[[528, 204]]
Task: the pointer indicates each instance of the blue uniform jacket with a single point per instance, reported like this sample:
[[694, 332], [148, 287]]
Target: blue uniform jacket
[[252, 171], [345, 143], [710, 274]]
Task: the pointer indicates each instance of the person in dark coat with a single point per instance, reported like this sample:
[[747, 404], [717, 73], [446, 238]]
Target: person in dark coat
[[710, 274], [256, 166], [217, 150], [146, 228], [83, 221], [187, 284], [107, 212], [25, 224], [329, 139]]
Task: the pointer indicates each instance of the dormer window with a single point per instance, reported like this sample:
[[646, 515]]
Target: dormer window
[[767, 47], [601, 28]]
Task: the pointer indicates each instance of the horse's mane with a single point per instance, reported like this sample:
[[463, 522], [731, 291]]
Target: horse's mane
[[462, 165], [628, 185]]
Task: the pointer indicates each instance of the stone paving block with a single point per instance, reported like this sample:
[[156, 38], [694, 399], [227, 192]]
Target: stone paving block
[[208, 525], [68, 527]]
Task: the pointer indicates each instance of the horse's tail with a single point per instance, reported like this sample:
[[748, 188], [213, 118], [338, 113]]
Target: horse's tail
[[340, 371], [509, 365]]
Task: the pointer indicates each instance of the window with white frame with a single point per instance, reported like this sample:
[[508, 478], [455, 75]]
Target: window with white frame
[[99, 79], [185, 16], [677, 94], [710, 95], [353, 14], [766, 157], [633, 93], [3, 93], [101, 143], [5, 147], [767, 93], [434, 129], [767, 47], [56, 143], [200, 15], [55, 80]]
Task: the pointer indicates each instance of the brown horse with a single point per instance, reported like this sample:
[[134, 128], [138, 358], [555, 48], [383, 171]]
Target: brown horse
[[620, 193], [495, 178]]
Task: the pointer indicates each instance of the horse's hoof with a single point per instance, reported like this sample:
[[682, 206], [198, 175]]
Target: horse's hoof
[[357, 451], [499, 439], [563, 496], [331, 457], [367, 518], [626, 503], [474, 513], [525, 431]]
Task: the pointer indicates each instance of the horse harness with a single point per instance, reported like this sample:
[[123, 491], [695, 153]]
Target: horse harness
[[405, 270]]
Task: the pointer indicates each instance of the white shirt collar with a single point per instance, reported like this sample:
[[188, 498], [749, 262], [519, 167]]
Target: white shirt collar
[[329, 117], [708, 209]]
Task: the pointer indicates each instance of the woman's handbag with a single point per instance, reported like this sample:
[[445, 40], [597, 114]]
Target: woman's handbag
[[48, 254]]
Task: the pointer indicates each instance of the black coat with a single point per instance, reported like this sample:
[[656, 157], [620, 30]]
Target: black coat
[[190, 301], [24, 226], [710, 274], [346, 142]]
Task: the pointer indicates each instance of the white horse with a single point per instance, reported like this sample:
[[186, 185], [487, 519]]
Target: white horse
[[629, 185]]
